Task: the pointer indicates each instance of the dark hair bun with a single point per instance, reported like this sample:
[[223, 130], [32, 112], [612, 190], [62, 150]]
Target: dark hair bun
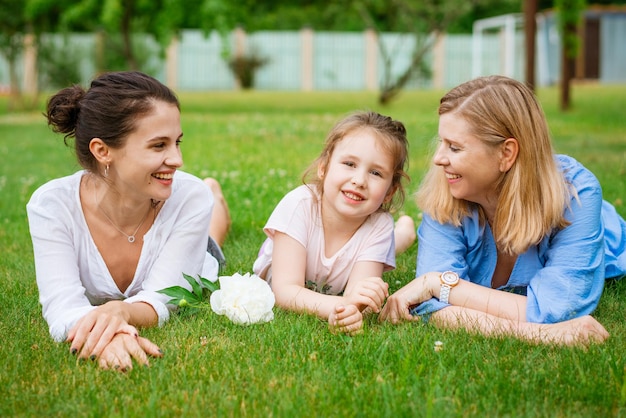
[[63, 108]]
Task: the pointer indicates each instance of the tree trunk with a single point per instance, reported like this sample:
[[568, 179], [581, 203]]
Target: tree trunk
[[567, 62], [129, 54], [530, 33]]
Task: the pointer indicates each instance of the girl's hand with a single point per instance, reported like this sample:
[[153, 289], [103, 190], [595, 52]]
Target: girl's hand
[[93, 332], [369, 292], [118, 354], [417, 291], [346, 319]]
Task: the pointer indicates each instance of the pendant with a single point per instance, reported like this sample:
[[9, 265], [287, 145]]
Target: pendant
[[131, 238]]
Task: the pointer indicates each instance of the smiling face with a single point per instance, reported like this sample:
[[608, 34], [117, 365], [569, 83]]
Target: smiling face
[[358, 177], [472, 168], [144, 167]]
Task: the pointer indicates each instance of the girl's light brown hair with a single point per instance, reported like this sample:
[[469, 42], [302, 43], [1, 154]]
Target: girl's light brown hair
[[391, 135], [533, 194]]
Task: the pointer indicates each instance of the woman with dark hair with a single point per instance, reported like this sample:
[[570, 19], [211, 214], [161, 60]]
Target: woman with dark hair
[[108, 237]]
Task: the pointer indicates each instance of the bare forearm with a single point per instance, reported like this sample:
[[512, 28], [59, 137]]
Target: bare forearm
[[300, 299], [138, 314], [142, 314], [457, 317], [578, 331], [469, 295]]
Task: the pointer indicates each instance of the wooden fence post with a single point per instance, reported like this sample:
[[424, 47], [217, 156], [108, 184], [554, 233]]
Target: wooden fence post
[[30, 66], [306, 59], [171, 64], [439, 61], [371, 60]]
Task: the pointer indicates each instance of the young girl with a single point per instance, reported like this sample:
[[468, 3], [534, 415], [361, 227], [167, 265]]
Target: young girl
[[330, 240]]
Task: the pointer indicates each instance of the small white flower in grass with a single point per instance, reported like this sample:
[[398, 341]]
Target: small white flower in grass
[[245, 300], [438, 345]]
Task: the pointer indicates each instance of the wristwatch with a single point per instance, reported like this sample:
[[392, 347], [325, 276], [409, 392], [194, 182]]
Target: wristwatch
[[448, 279]]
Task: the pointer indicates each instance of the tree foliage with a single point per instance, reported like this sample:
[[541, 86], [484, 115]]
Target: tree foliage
[[342, 16], [112, 18]]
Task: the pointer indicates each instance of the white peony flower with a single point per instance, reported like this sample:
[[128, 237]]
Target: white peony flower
[[245, 300]]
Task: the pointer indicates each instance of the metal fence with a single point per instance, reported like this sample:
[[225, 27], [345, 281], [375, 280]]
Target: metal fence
[[307, 60]]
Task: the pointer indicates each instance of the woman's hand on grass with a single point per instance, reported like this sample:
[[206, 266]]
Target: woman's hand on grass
[[583, 331], [347, 319], [123, 348], [93, 332], [398, 304]]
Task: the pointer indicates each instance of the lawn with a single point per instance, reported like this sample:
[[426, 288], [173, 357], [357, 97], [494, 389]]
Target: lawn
[[257, 144]]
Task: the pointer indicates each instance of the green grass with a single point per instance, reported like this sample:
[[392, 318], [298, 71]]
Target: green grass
[[257, 144]]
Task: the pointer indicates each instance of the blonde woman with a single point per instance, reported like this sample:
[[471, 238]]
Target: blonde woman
[[515, 239]]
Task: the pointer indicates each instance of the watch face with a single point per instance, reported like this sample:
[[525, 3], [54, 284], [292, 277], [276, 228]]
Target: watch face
[[449, 277]]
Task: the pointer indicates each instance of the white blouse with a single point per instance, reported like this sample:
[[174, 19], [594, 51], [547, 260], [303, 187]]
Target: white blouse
[[71, 274]]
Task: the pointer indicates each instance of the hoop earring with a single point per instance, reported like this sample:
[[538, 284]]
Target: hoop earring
[[106, 171]]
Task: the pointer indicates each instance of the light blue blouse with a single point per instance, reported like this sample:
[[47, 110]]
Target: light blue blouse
[[562, 277]]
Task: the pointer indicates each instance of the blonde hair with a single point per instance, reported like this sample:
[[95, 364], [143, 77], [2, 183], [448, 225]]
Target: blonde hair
[[391, 135], [533, 194]]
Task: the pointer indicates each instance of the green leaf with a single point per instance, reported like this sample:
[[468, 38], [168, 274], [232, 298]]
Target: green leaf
[[211, 286], [178, 293], [197, 289]]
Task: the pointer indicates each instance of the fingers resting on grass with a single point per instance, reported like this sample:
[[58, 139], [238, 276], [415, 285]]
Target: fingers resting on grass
[[346, 319], [123, 349], [93, 332], [369, 292]]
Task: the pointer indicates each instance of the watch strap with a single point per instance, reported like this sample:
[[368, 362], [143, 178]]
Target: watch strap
[[444, 293]]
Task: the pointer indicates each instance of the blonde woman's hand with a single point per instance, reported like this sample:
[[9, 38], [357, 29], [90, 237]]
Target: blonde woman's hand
[[368, 292], [123, 348], [581, 331], [413, 293], [347, 319], [93, 332]]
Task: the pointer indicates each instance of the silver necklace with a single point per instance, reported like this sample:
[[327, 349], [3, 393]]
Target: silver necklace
[[130, 238]]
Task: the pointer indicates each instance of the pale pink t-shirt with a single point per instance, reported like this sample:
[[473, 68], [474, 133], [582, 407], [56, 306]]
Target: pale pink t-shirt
[[298, 215]]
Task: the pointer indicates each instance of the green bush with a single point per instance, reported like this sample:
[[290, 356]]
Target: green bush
[[244, 68], [58, 63]]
